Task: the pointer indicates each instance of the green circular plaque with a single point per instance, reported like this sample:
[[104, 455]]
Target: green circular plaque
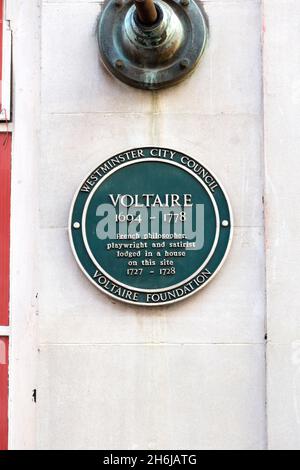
[[150, 226]]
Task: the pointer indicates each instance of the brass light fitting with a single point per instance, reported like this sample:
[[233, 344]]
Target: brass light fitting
[[151, 44]]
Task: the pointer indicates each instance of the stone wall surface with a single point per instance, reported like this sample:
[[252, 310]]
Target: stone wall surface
[[186, 376], [192, 375], [282, 138]]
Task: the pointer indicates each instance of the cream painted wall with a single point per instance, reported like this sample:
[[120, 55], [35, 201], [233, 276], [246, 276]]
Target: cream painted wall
[[188, 376]]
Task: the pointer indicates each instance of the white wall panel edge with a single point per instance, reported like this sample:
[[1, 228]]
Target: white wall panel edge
[[281, 139], [25, 23]]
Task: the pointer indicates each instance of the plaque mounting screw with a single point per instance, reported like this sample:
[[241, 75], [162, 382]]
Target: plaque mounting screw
[[76, 225], [144, 43], [225, 223]]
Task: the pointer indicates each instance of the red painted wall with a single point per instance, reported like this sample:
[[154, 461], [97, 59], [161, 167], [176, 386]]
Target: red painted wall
[[5, 169], [5, 159], [1, 37], [3, 393], [5, 153]]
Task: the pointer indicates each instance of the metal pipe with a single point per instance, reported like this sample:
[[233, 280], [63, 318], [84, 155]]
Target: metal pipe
[[146, 11]]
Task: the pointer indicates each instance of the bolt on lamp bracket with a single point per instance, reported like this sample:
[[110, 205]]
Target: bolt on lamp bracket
[[151, 45]]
